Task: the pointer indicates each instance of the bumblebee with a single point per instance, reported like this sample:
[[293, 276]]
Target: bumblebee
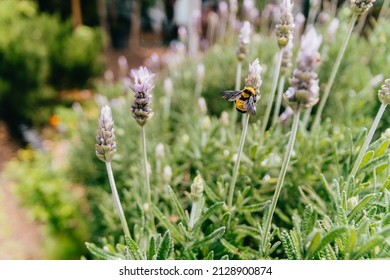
[[245, 99]]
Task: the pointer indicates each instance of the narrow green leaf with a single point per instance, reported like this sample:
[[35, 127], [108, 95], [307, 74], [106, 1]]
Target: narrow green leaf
[[255, 207], [164, 248], [331, 236], [211, 238], [210, 256], [288, 246], [152, 249], [103, 254], [247, 230], [231, 248], [366, 158], [382, 148], [360, 206], [376, 240], [177, 206], [134, 250], [313, 244], [164, 220], [369, 167], [213, 208], [308, 222], [211, 194]]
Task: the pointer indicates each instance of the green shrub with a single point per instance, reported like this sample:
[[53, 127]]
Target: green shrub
[[40, 54]]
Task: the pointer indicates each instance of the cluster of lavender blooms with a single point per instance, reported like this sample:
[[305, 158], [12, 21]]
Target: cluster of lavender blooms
[[243, 41], [304, 90], [285, 27], [142, 88], [105, 138], [360, 6], [254, 76], [384, 92]]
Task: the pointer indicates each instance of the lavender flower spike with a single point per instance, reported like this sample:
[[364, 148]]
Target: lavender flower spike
[[254, 76], [304, 90], [384, 92], [285, 28], [243, 41], [105, 139], [360, 6], [142, 88]]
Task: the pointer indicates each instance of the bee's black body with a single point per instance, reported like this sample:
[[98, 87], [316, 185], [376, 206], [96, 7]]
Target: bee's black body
[[245, 99]]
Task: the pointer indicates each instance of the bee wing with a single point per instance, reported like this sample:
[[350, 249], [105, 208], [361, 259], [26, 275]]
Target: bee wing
[[251, 105], [230, 95]]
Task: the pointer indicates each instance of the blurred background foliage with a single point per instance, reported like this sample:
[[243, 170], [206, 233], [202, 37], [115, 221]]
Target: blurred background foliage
[[73, 200]]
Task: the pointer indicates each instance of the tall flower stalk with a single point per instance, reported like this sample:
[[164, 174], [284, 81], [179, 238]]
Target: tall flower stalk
[[284, 34], [105, 149], [284, 68], [384, 97], [254, 81], [141, 111], [358, 7], [302, 94]]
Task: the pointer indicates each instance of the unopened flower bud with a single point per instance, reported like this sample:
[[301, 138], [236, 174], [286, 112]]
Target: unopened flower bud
[[243, 41], [360, 6], [285, 28], [202, 105], [197, 188], [160, 151], [384, 92], [206, 123], [167, 174], [105, 139], [352, 202]]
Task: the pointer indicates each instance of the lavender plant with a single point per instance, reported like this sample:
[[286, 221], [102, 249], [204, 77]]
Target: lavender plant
[[384, 97], [142, 112], [105, 150], [302, 94], [245, 102], [358, 7], [284, 34]]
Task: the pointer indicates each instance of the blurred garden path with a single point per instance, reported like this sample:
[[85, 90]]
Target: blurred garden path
[[21, 238]]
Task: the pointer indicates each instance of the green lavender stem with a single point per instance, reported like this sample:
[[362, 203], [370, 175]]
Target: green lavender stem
[[367, 140], [237, 163], [272, 95], [147, 182], [384, 10], [282, 174], [279, 98], [117, 200], [335, 68]]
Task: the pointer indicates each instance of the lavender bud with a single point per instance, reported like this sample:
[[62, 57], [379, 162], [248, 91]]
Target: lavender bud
[[243, 41], [105, 139], [285, 28], [168, 86], [304, 90], [360, 6], [197, 188], [384, 92], [142, 88]]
